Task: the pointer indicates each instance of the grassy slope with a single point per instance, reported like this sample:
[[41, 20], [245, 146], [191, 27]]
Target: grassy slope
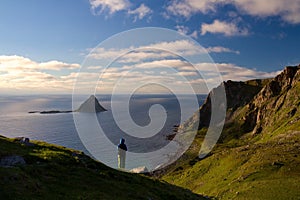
[[54, 172], [265, 166]]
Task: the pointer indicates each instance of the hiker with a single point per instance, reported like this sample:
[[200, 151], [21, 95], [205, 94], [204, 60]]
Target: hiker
[[122, 148]]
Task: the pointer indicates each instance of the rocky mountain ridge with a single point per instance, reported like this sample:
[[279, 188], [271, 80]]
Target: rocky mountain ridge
[[257, 155], [251, 103], [275, 97]]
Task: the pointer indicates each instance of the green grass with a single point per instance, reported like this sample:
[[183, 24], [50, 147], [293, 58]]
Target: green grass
[[257, 171], [261, 167], [244, 165], [54, 172]]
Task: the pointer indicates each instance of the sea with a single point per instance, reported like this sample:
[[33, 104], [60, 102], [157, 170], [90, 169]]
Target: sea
[[157, 114]]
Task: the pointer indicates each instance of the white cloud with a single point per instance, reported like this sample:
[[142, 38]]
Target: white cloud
[[227, 70], [20, 73], [174, 63], [288, 10], [19, 63], [140, 12], [181, 47], [56, 65], [182, 29], [221, 27], [187, 8], [156, 51], [107, 53], [193, 74], [152, 51], [98, 6], [113, 6], [219, 49], [194, 34], [126, 55], [233, 72], [188, 74], [94, 67]]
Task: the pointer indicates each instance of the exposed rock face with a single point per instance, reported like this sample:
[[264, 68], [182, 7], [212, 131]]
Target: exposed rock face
[[237, 94], [91, 105], [256, 104], [281, 95]]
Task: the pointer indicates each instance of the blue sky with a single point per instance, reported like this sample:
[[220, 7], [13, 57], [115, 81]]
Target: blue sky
[[44, 42]]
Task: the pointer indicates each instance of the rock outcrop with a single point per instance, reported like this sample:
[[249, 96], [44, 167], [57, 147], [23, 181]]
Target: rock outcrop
[[256, 104], [277, 100], [10, 161], [23, 140], [237, 94], [140, 170], [91, 105]]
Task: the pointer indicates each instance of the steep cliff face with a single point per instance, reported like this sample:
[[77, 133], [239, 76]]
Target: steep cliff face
[[257, 155], [237, 94], [278, 101], [257, 105]]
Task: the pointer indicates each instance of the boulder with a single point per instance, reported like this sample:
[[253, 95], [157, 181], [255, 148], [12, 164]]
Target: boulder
[[140, 170], [10, 161], [23, 140]]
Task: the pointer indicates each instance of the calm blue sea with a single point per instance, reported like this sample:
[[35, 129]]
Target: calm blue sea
[[60, 128]]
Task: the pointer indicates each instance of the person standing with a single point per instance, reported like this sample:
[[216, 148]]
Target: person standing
[[122, 148]]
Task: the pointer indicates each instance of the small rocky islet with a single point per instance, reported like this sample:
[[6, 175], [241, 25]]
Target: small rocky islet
[[91, 105]]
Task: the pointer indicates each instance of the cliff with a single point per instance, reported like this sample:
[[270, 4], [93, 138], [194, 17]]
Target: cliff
[[257, 155], [252, 105], [275, 103]]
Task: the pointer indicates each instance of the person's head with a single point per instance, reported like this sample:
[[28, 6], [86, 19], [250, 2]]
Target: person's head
[[122, 140]]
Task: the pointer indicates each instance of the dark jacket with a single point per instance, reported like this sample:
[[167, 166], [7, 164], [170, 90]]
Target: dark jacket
[[122, 145]]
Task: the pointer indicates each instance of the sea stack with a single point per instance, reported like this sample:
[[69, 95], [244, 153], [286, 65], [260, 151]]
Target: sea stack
[[91, 105]]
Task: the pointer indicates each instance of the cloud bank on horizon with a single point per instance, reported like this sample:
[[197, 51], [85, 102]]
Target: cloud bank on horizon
[[199, 19], [23, 75]]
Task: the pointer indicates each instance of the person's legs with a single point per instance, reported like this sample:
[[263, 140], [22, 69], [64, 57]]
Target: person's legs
[[121, 159]]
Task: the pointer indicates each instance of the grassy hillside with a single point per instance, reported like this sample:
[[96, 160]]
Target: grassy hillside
[[258, 154], [54, 172]]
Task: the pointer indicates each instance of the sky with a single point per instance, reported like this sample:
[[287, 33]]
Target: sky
[[45, 44]]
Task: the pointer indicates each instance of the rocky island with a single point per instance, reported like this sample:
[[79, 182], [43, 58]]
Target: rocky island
[[91, 105]]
